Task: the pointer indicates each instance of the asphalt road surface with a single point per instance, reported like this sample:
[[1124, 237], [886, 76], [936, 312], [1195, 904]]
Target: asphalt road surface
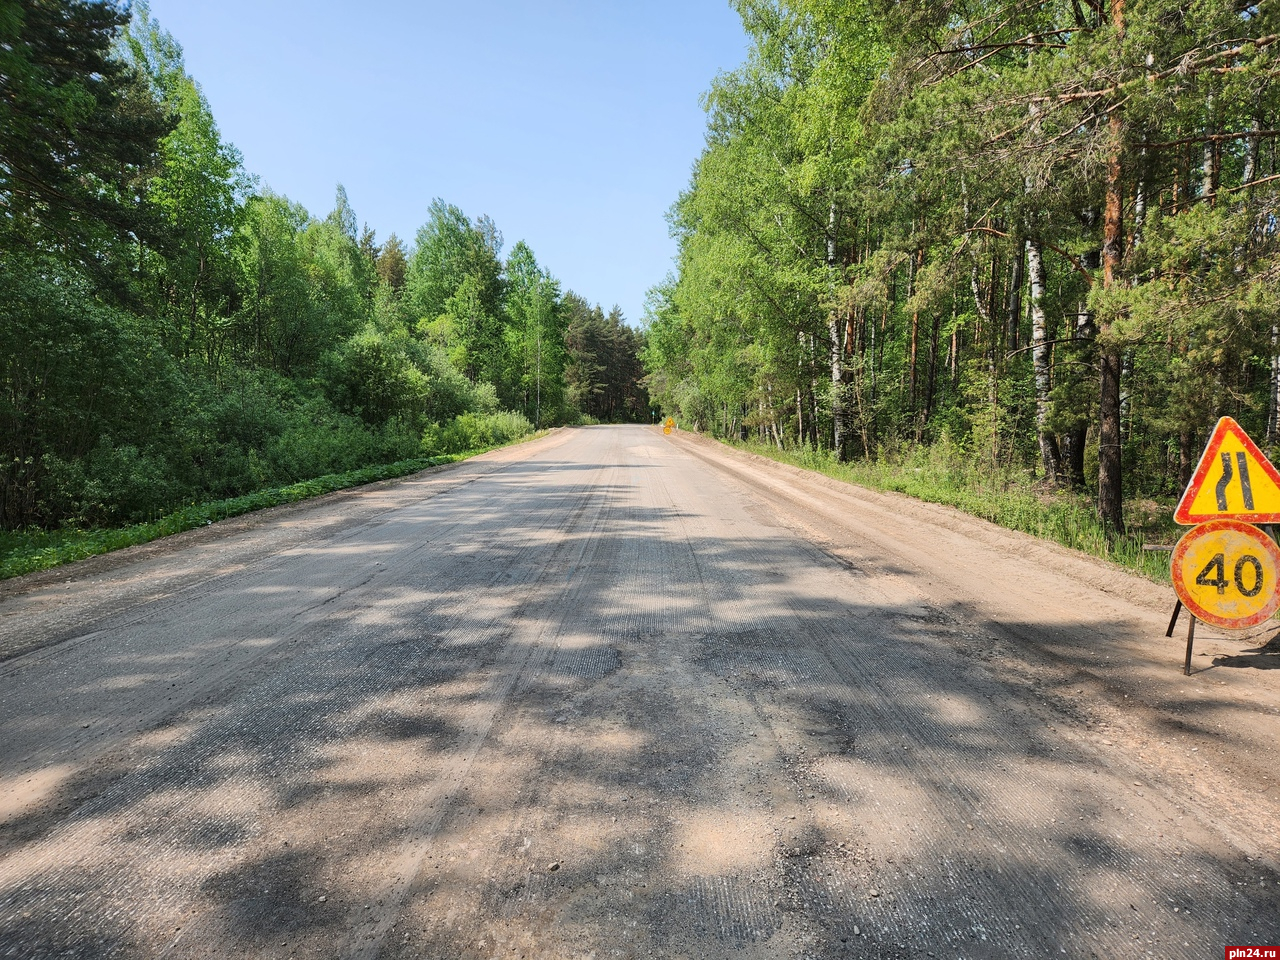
[[615, 694]]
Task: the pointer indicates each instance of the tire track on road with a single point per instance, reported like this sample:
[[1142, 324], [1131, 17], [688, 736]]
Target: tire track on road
[[941, 776], [537, 634], [179, 770]]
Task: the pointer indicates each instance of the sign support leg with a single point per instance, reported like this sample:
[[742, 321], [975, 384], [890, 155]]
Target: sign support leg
[[1191, 639], [1173, 621]]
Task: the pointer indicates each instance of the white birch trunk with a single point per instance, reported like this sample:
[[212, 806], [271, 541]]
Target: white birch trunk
[[837, 343], [1040, 360], [1273, 414]]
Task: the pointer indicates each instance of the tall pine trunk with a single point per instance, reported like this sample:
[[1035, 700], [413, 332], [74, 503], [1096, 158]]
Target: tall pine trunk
[[913, 265], [1015, 299], [1110, 478], [1273, 388], [1187, 457]]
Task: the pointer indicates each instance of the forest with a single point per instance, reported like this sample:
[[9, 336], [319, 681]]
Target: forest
[[1040, 236], [174, 333]]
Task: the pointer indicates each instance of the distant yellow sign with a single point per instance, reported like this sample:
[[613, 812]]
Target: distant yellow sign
[[670, 422], [666, 429], [1233, 479], [1226, 573]]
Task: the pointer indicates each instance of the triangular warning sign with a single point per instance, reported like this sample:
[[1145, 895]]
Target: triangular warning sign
[[1232, 479]]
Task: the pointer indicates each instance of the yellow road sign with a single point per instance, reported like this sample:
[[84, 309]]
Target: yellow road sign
[[670, 422], [667, 429], [1226, 573], [1233, 479]]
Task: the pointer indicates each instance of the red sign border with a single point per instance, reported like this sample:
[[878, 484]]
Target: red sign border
[[1180, 553], [1226, 425]]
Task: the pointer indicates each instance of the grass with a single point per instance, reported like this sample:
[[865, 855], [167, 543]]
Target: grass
[[26, 551], [1011, 500]]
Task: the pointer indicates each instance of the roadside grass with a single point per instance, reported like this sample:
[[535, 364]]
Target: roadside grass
[[26, 551], [1009, 499]]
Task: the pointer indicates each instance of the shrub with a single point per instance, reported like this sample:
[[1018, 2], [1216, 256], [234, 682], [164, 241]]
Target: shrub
[[473, 431], [319, 441], [112, 485]]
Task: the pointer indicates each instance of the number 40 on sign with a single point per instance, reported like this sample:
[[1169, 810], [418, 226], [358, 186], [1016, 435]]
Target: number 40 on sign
[[1225, 572]]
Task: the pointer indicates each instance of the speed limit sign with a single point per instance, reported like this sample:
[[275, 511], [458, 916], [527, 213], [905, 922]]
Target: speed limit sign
[[1226, 573]]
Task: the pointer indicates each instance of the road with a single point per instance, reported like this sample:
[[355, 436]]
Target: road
[[615, 694]]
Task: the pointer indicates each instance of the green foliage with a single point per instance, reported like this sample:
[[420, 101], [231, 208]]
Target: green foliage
[[914, 220], [393, 265], [455, 273], [75, 375], [603, 372], [111, 485], [308, 449], [78, 133], [196, 191], [475, 431], [374, 377], [281, 321], [535, 338], [170, 336]]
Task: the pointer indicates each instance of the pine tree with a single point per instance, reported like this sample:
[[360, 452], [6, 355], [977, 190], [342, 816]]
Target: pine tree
[[79, 130]]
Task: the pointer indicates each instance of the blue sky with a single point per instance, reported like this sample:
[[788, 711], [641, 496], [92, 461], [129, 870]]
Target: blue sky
[[574, 125]]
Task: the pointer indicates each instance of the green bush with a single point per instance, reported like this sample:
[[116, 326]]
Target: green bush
[[475, 431], [112, 485], [373, 376], [319, 441]]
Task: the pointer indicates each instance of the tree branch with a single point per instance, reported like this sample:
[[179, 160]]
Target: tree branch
[[1211, 138], [1076, 265]]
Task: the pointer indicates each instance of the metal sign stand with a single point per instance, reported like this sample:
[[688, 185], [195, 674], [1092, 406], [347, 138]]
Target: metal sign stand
[[1191, 639], [1177, 610], [1191, 634], [1173, 621]]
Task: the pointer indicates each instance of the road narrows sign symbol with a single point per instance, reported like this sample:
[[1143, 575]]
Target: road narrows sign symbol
[[1226, 573], [1233, 479]]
